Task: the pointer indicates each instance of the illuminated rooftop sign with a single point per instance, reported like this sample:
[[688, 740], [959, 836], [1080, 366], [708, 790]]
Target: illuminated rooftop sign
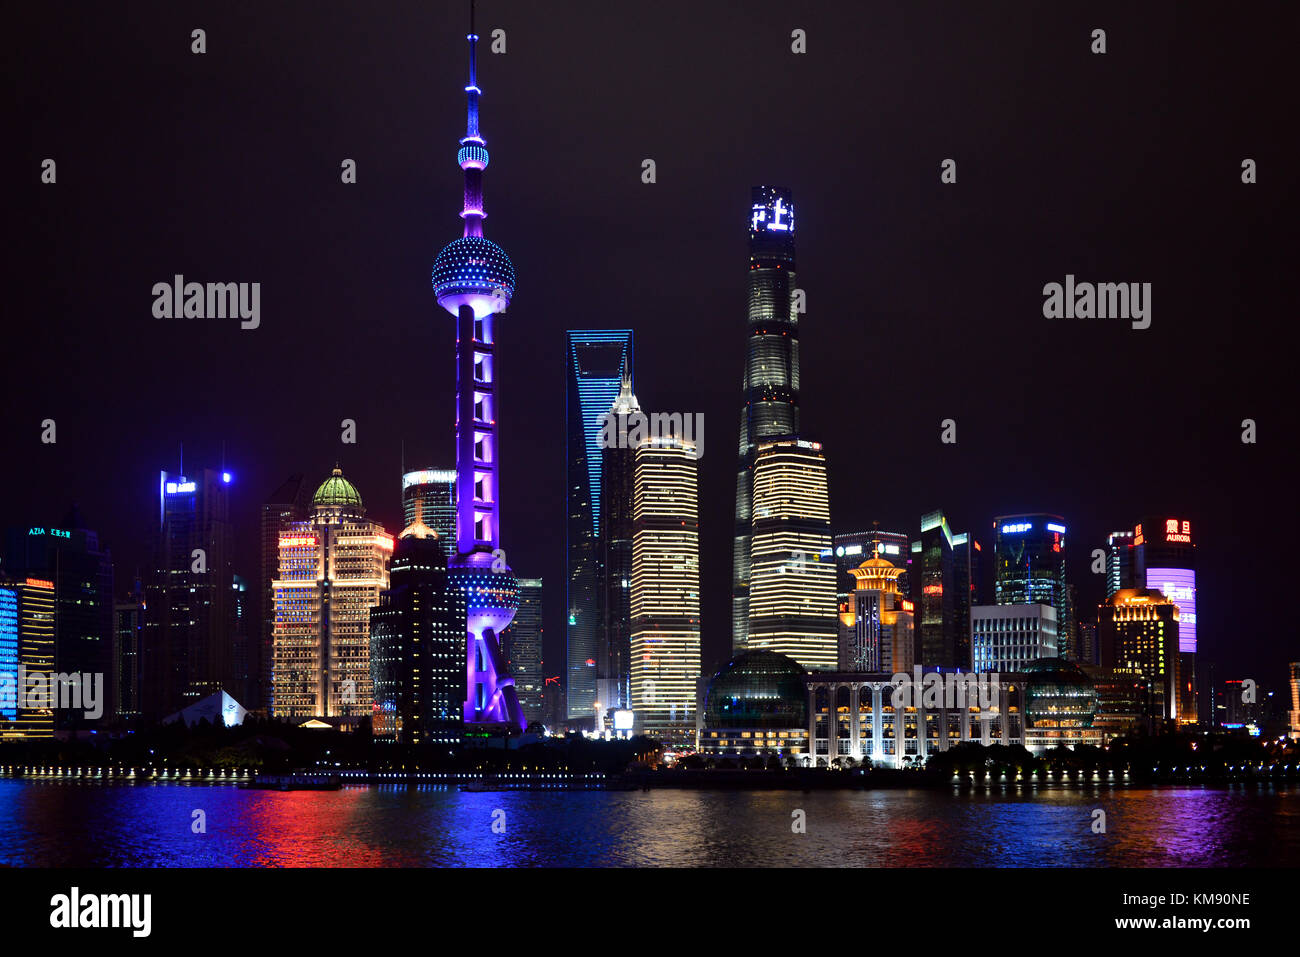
[[428, 477], [56, 532], [176, 488], [1016, 528], [1059, 529], [775, 216]]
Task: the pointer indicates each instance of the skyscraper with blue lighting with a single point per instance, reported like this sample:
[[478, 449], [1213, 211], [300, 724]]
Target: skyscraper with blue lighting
[[596, 363], [188, 640], [1029, 565], [474, 280]]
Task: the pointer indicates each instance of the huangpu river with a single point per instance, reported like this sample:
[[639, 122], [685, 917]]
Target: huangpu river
[[85, 824]]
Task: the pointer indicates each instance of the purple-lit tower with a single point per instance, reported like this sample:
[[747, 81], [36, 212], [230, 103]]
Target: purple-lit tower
[[474, 280]]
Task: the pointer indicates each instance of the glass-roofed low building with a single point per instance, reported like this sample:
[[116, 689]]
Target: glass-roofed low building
[[1060, 704], [757, 704]]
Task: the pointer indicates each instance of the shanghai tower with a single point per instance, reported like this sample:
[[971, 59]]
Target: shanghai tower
[[771, 380], [474, 280]]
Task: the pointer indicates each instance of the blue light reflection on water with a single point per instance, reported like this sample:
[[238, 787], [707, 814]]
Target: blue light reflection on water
[[50, 823]]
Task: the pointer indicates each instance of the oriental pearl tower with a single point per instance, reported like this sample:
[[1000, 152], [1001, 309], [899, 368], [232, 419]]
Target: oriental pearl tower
[[473, 279]]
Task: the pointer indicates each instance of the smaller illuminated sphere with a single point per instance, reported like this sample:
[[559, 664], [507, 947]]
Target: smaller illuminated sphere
[[492, 598], [476, 272]]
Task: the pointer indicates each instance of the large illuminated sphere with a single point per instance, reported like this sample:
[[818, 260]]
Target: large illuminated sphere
[[476, 272]]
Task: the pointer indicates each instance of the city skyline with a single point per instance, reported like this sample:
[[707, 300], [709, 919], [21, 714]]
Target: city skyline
[[221, 387]]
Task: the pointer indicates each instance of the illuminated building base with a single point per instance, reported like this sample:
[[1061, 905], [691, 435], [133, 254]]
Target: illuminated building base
[[492, 597]]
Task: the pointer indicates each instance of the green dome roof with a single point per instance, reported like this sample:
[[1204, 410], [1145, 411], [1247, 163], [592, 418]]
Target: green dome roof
[[336, 490]]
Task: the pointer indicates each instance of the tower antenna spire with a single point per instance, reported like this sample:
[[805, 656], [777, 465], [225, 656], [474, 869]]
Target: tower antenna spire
[[474, 280], [473, 155]]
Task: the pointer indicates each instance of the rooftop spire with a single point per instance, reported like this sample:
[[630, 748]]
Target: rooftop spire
[[473, 157]]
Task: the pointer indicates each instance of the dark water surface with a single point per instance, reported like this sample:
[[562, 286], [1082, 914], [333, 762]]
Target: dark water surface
[[67, 824]]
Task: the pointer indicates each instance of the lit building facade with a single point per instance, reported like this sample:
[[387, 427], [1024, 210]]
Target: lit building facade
[[852, 716], [474, 280], [128, 631], [1029, 566], [285, 505], [876, 622], [1010, 637], [1164, 559], [189, 626], [1138, 632], [942, 590], [27, 627], [598, 362], [792, 591], [431, 493], [81, 569], [851, 549], [614, 645], [1119, 562], [1089, 653], [967, 570], [1293, 714], [1122, 696], [771, 378], [665, 602], [333, 567], [417, 638], [523, 648]]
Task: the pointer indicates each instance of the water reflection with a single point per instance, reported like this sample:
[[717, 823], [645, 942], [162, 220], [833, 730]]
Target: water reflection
[[124, 825]]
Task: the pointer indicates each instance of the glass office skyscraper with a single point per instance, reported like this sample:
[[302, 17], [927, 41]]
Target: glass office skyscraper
[[433, 493], [189, 623], [613, 647], [417, 645], [1029, 566], [1164, 559], [523, 648], [597, 361]]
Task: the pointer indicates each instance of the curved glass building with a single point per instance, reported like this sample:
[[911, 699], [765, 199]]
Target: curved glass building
[[756, 703]]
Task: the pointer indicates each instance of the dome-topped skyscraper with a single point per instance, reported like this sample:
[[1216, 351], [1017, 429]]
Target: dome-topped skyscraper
[[337, 491], [332, 568], [474, 280]]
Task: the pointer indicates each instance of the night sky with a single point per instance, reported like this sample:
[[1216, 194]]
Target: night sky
[[924, 299]]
